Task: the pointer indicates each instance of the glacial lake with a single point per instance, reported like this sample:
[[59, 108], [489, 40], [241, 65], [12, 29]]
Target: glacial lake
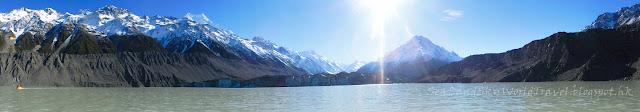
[[528, 96]]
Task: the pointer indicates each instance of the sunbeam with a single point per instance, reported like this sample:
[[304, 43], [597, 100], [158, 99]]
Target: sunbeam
[[380, 11]]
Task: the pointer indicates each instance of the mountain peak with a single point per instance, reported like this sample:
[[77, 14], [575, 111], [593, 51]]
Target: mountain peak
[[420, 47], [623, 16], [312, 52], [189, 15], [84, 11], [20, 9], [50, 11], [354, 66], [25, 11], [421, 40], [200, 18], [113, 10], [262, 40], [109, 7], [257, 38]]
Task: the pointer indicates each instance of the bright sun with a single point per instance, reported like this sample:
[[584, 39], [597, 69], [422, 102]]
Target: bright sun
[[380, 11], [380, 7]]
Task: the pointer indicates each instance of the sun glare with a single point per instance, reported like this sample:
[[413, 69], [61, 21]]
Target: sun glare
[[380, 11]]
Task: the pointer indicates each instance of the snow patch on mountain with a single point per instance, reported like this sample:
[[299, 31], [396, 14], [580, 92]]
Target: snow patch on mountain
[[171, 32], [420, 47], [308, 60], [316, 63], [21, 20], [352, 67], [201, 18], [624, 16], [417, 55]]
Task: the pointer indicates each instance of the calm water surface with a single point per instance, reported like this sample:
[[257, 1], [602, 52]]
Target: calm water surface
[[530, 96]]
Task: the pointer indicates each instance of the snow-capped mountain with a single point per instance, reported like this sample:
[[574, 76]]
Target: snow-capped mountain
[[353, 66], [175, 34], [412, 59], [203, 19], [420, 47], [178, 35], [624, 16], [20, 20], [308, 60], [315, 63]]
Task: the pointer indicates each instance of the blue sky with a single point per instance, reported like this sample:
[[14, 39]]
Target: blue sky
[[341, 30]]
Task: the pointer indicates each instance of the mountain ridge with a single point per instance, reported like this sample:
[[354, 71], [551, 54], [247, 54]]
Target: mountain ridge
[[189, 34], [623, 16], [411, 60], [126, 69], [591, 55]]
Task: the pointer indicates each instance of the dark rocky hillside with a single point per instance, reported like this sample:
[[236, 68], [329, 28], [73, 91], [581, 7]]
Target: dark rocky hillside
[[4, 37], [593, 55], [404, 72], [84, 43], [136, 43], [56, 37], [28, 41], [69, 55], [126, 69], [74, 39]]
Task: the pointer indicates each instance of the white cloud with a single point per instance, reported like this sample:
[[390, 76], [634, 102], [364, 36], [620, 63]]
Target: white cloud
[[451, 15]]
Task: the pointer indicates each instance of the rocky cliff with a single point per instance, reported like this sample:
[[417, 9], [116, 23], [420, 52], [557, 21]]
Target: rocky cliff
[[126, 69], [592, 55]]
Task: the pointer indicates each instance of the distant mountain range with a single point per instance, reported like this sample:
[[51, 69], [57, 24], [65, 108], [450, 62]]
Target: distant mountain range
[[608, 49], [624, 16], [354, 66], [114, 47], [47, 31], [410, 61]]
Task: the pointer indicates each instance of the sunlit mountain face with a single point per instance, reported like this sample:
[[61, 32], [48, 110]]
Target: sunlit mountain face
[[320, 55], [111, 29], [188, 34], [624, 16], [411, 60]]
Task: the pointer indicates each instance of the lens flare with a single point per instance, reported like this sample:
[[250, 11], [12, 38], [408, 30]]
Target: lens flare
[[380, 11]]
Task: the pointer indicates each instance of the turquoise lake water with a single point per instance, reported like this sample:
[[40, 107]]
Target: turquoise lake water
[[527, 96]]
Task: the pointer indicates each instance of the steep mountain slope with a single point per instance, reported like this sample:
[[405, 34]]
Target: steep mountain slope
[[99, 34], [314, 63], [191, 34], [308, 60], [624, 16], [411, 60], [136, 43], [19, 21], [592, 55], [126, 69], [353, 66]]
